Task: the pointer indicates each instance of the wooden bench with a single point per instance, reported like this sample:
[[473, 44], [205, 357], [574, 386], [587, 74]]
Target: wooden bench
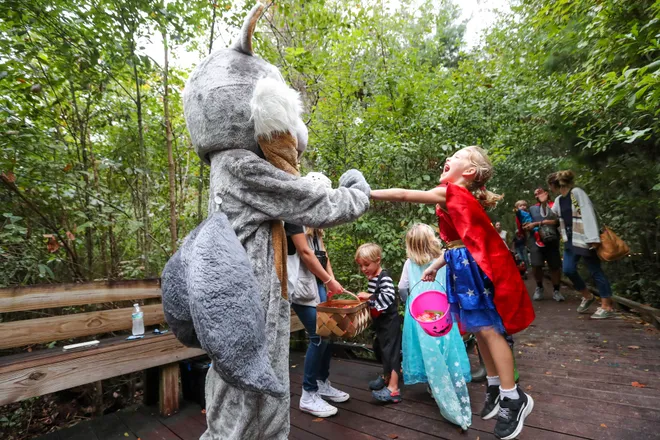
[[43, 371]]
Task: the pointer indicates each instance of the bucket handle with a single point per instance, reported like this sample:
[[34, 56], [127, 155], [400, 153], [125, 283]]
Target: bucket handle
[[415, 285]]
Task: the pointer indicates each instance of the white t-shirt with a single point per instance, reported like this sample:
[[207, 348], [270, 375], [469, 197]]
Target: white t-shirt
[[503, 234]]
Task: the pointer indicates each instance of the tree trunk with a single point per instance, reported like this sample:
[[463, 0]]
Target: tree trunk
[[143, 190], [170, 154]]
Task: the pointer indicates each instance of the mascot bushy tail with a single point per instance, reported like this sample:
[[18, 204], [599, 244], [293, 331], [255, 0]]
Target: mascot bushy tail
[[211, 271]]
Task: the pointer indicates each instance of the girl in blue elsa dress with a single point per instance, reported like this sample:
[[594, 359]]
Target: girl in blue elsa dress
[[441, 362]]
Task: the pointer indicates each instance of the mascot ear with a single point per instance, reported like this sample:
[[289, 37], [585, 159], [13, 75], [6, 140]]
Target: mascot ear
[[244, 42]]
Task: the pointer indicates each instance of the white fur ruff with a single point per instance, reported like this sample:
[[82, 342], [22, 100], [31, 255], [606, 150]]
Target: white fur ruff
[[275, 108]]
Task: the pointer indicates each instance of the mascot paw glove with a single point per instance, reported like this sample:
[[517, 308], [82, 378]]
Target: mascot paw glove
[[355, 179]]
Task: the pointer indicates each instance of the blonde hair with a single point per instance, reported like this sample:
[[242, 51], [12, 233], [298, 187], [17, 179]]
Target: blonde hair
[[520, 202], [422, 245], [479, 159], [561, 179], [369, 252]]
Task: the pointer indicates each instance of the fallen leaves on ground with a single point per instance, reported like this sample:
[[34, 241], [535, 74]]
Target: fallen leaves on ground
[[318, 419], [529, 344], [603, 425], [529, 388], [549, 373], [638, 385], [633, 347], [392, 436]]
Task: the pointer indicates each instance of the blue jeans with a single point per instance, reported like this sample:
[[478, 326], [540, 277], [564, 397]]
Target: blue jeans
[[521, 251], [319, 352], [571, 260]]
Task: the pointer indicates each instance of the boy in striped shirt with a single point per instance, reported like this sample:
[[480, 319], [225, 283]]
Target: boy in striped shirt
[[386, 321]]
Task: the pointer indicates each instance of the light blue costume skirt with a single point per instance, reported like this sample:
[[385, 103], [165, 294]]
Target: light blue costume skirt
[[441, 362]]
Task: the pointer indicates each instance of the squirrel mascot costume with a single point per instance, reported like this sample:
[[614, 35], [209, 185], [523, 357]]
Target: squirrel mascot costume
[[225, 290]]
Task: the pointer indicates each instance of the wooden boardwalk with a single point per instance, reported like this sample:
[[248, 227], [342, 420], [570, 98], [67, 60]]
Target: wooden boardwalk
[[590, 380]]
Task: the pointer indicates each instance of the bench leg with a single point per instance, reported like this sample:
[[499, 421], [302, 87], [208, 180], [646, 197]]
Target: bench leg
[[169, 389]]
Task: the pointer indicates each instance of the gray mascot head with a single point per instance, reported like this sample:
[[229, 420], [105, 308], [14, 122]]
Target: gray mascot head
[[216, 99]]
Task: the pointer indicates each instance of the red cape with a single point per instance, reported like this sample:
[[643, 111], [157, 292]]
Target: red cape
[[493, 257]]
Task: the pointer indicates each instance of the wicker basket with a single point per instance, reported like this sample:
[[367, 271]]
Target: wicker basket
[[335, 321]]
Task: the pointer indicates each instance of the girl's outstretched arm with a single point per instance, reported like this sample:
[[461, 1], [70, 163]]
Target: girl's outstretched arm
[[430, 197]]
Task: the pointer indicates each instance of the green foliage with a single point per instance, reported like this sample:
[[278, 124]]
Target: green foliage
[[555, 85]]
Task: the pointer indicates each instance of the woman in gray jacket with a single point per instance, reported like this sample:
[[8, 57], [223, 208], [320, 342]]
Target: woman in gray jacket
[[581, 235]]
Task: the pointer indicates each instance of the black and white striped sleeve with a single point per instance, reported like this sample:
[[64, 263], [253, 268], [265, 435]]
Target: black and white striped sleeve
[[386, 295]]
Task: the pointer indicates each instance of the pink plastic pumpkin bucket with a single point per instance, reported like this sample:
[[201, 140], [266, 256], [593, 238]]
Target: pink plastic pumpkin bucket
[[432, 301]]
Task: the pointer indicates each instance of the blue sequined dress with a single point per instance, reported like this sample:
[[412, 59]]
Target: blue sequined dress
[[441, 362]]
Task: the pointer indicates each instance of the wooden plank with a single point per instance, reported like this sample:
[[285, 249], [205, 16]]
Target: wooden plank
[[66, 372], [649, 313], [296, 324], [296, 433], [42, 357], [146, 427], [81, 431], [17, 299], [110, 427], [57, 328], [185, 423], [326, 428], [168, 402]]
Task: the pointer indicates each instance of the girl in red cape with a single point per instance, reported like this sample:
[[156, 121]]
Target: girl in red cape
[[484, 288]]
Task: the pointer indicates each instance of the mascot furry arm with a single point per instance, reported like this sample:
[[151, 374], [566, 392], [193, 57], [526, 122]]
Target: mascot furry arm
[[218, 289]]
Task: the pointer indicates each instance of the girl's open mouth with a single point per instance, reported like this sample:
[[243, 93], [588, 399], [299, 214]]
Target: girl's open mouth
[[446, 168]]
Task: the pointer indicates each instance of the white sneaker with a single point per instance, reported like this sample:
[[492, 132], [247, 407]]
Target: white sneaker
[[557, 296], [311, 403], [538, 294], [328, 392]]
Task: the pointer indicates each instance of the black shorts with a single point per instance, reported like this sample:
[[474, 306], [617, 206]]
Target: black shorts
[[388, 333], [539, 255]]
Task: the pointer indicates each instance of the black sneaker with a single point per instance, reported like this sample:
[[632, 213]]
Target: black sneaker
[[512, 414], [492, 405], [377, 384]]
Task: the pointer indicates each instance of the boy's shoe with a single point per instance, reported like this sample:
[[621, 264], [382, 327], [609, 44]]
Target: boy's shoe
[[385, 395], [538, 294], [492, 404], [377, 384], [328, 392], [512, 414], [537, 239], [557, 296], [585, 304], [311, 403], [601, 313]]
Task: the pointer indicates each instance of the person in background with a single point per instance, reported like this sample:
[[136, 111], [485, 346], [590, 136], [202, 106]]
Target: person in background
[[503, 234], [523, 217], [308, 280], [520, 248], [384, 309], [542, 215], [581, 235]]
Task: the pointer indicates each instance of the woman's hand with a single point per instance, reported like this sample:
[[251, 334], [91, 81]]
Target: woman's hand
[[593, 245], [334, 288], [429, 274], [530, 226]]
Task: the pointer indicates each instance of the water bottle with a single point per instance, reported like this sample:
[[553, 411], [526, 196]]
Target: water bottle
[[138, 321]]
